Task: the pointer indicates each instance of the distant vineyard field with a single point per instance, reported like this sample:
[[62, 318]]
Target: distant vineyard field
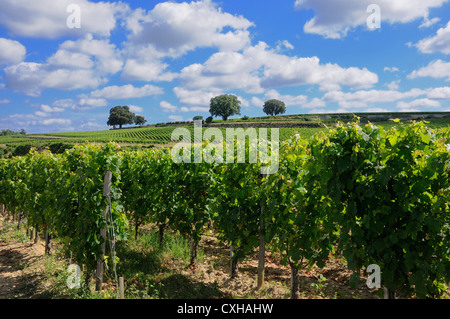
[[160, 135], [141, 136]]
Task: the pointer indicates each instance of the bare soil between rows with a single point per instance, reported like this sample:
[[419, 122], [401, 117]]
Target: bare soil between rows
[[22, 274], [276, 277], [21, 267]]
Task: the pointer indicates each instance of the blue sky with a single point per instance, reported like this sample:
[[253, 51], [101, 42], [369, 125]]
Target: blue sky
[[65, 63]]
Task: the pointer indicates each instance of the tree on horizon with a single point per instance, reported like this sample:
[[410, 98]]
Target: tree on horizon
[[139, 120], [120, 115], [274, 107], [225, 106]]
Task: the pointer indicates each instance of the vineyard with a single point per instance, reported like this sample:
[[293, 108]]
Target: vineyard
[[152, 135], [130, 139], [367, 194], [160, 135]]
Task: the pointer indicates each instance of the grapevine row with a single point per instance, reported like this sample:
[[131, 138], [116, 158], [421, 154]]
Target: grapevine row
[[375, 196]]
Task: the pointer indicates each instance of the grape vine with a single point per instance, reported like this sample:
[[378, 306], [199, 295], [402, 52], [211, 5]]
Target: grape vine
[[375, 196]]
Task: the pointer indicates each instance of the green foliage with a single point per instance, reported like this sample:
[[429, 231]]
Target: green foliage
[[81, 200], [8, 132], [389, 192], [148, 186], [192, 184], [274, 107], [59, 148], [120, 115], [377, 196], [298, 220], [225, 106], [22, 150], [158, 190], [237, 205], [63, 194], [139, 120]]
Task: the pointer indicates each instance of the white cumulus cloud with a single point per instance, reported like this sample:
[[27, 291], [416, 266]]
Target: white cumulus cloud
[[441, 93], [364, 98], [259, 68], [438, 43], [175, 28], [416, 105], [48, 18], [436, 69], [127, 91], [11, 51], [334, 19], [31, 78]]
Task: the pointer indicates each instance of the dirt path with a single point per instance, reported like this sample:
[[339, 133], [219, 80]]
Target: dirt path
[[19, 267]]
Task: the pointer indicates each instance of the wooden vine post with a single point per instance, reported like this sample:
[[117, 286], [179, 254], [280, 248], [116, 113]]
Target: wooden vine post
[[388, 293], [101, 259], [262, 245], [121, 288], [233, 263]]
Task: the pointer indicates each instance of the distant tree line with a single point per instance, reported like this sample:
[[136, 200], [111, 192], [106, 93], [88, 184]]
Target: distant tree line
[[8, 132], [224, 105]]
